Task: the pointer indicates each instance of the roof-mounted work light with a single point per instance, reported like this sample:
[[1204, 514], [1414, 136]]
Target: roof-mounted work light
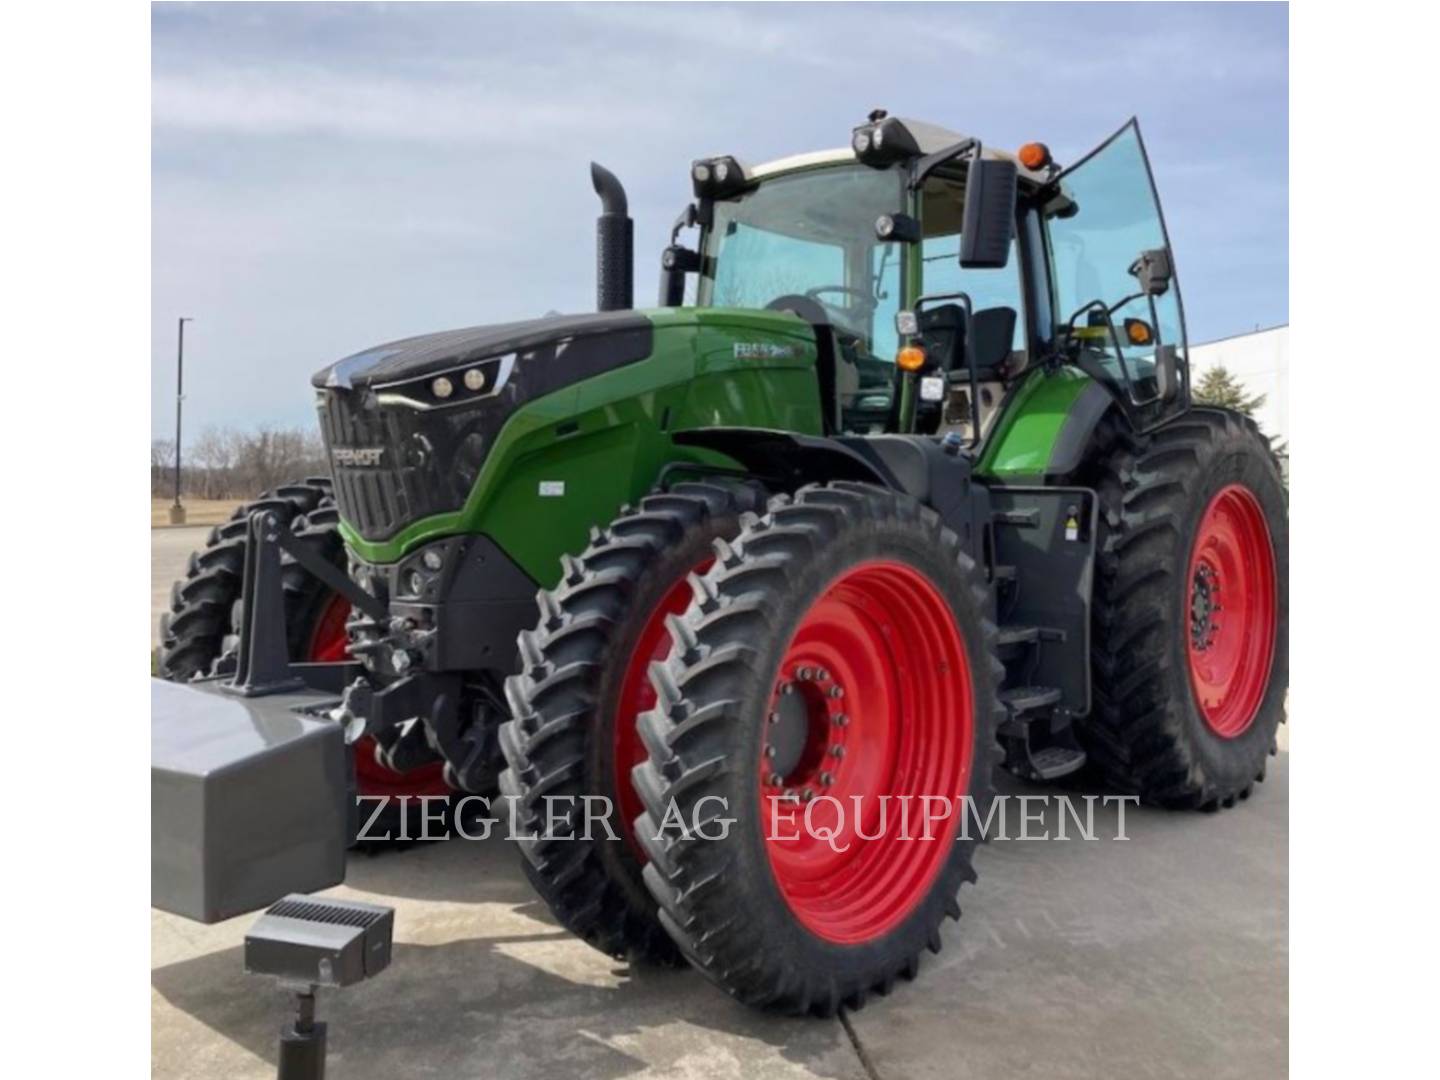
[[717, 178], [883, 140]]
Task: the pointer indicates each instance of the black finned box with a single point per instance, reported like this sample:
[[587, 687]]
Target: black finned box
[[304, 940], [249, 800]]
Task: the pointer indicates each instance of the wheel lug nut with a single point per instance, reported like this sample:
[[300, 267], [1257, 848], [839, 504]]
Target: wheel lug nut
[[826, 779], [822, 675], [776, 779], [787, 688], [841, 720], [774, 718], [803, 673], [837, 751], [807, 795], [837, 691], [769, 751]]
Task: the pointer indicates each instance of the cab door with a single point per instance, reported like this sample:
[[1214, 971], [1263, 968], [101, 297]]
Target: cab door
[[1117, 297]]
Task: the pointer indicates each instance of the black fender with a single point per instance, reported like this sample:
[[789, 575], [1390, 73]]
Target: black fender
[[1073, 443], [786, 460], [917, 465]]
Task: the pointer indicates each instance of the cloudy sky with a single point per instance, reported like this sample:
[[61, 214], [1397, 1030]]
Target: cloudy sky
[[328, 177]]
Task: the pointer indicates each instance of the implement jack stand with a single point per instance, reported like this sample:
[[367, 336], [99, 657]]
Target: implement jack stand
[[302, 1042], [306, 942]]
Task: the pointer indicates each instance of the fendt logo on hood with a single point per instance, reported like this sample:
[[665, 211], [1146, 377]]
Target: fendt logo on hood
[[362, 457]]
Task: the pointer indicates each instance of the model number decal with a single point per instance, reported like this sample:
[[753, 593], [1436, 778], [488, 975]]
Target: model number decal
[[550, 489], [764, 350]]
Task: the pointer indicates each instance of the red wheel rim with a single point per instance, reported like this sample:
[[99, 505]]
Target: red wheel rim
[[636, 696], [327, 645], [877, 680], [1230, 642]]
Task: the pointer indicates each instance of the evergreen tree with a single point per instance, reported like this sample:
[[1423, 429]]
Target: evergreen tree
[[1220, 388]]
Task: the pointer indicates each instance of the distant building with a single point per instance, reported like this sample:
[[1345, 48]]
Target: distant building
[[1261, 361]]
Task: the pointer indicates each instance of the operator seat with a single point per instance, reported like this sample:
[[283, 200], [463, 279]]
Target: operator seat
[[942, 330]]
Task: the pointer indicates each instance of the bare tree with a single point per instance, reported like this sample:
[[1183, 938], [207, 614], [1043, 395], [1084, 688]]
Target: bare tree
[[162, 465], [226, 463]]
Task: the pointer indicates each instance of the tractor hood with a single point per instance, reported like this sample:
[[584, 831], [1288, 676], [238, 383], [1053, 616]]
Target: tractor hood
[[408, 425], [565, 347]]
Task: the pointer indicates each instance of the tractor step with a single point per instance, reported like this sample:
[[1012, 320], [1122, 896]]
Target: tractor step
[[1019, 635], [1053, 762], [1025, 699]]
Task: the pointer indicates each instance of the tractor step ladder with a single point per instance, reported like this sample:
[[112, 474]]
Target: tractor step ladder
[[1031, 718]]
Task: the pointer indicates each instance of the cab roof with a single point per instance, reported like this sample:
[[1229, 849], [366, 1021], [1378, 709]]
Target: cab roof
[[931, 139]]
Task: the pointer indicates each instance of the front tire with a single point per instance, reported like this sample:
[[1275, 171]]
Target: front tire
[[583, 682], [1191, 614], [838, 648]]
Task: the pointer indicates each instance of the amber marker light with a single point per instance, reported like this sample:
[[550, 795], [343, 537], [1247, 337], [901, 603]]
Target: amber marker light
[[910, 358], [1138, 332], [1034, 156]]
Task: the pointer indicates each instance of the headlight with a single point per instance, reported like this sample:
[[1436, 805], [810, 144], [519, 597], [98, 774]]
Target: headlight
[[442, 388], [861, 141], [474, 379], [432, 559]]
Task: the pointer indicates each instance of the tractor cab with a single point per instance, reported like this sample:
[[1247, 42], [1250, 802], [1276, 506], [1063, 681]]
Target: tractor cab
[[930, 306]]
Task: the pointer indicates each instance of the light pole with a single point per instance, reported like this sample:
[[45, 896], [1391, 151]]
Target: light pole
[[177, 512]]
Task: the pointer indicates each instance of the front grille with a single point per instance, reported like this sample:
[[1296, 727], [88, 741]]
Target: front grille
[[394, 465]]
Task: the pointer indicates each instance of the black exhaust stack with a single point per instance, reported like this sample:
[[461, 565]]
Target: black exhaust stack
[[614, 244]]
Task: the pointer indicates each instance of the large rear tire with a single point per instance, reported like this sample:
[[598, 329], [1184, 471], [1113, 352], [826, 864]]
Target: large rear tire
[[583, 682], [199, 635], [1191, 613], [838, 647]]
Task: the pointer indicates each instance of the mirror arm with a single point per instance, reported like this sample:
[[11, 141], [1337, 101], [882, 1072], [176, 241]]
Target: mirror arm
[[687, 220], [930, 162], [1121, 303]]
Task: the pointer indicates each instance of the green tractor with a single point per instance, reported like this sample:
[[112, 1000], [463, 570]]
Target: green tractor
[[900, 483]]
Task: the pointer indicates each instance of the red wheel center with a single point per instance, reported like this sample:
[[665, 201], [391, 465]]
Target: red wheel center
[[637, 695], [1232, 611], [867, 749]]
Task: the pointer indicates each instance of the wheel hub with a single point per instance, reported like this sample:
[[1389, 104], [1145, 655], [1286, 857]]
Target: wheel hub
[[805, 733], [1204, 604]]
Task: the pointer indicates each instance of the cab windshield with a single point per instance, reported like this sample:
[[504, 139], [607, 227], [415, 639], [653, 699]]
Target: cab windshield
[[811, 235]]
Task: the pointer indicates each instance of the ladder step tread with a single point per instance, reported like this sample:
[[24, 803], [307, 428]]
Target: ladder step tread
[[1020, 699], [1019, 635], [1053, 762]]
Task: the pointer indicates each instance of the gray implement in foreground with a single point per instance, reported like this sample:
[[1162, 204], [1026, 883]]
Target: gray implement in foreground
[[249, 799]]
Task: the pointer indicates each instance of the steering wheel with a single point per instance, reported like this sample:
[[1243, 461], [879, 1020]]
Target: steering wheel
[[807, 307], [863, 299]]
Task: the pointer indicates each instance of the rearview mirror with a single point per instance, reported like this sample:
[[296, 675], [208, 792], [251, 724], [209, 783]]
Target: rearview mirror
[[1153, 271], [989, 221]]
